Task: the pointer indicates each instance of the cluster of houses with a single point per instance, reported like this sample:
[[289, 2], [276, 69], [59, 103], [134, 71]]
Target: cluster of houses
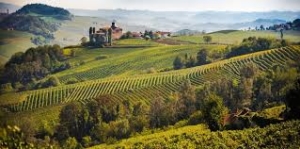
[[105, 35]]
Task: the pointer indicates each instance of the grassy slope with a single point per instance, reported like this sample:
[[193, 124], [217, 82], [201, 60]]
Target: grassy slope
[[16, 41], [283, 135], [12, 42], [72, 31], [69, 33], [121, 60], [122, 86], [235, 37]]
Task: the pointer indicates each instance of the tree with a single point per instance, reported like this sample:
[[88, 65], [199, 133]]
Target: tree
[[83, 40], [262, 27], [128, 34], [187, 97], [6, 88], [71, 143], [120, 128], [244, 97], [262, 92], [207, 39], [108, 109], [296, 24], [281, 33], [53, 81], [101, 132], [72, 122], [293, 102], [156, 111], [90, 31], [139, 120], [214, 111], [178, 63], [190, 62], [13, 137], [202, 57]]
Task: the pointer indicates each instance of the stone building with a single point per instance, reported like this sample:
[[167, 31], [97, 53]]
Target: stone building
[[104, 36]]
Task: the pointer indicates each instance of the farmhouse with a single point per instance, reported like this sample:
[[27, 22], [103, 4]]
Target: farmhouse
[[105, 35]]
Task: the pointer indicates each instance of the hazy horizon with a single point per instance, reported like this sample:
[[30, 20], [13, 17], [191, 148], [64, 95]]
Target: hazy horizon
[[175, 5]]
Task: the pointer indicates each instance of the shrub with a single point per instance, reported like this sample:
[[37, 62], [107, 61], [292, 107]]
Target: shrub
[[207, 39], [151, 70], [195, 118], [178, 63], [86, 141], [6, 88], [72, 81], [101, 57], [53, 81]]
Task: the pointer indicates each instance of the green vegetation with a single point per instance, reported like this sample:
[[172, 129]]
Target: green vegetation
[[292, 102], [44, 10], [130, 91], [38, 19], [12, 42], [253, 44], [273, 136], [134, 88], [207, 39], [34, 64], [236, 37], [214, 112]]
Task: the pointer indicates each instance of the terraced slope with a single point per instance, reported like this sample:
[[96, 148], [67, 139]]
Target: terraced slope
[[134, 62], [146, 87]]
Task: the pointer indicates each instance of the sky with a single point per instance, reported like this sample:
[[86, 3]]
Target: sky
[[172, 5]]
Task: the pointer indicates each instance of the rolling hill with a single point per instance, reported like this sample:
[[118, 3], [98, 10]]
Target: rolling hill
[[139, 71], [145, 87], [198, 20], [38, 19]]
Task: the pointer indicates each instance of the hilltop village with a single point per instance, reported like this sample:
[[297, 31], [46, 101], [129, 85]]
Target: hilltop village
[[104, 36]]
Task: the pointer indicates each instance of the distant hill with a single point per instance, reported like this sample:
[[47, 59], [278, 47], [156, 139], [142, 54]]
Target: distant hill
[[11, 7], [44, 10], [186, 32], [38, 19], [212, 27], [177, 20]]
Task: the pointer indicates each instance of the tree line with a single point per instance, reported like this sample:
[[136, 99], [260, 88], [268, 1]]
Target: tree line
[[23, 69], [189, 61], [254, 44]]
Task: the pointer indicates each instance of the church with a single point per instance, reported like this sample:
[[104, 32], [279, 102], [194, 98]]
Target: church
[[104, 36]]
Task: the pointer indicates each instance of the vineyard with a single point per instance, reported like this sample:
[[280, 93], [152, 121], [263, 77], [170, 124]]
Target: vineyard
[[148, 86], [132, 62], [283, 135]]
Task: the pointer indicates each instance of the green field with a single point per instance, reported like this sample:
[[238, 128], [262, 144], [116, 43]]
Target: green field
[[236, 37], [12, 42]]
